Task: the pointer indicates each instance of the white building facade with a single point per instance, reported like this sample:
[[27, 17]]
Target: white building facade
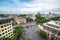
[[52, 28], [6, 30]]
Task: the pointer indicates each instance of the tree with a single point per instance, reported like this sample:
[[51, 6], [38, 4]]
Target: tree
[[43, 34], [40, 19], [13, 37], [16, 35], [18, 31], [1, 15], [29, 19], [20, 38], [5, 38], [55, 18]]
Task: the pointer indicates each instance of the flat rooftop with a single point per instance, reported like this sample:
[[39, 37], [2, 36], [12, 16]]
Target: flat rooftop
[[56, 23], [3, 21]]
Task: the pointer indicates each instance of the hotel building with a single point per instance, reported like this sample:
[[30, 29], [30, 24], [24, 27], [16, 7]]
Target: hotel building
[[6, 30], [52, 28]]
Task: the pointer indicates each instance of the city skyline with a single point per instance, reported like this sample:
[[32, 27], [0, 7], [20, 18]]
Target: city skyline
[[18, 6]]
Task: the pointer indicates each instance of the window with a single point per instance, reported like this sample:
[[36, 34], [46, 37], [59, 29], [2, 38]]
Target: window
[[9, 33], [48, 34], [8, 27], [6, 21], [59, 23], [5, 28], [59, 33], [1, 26], [4, 25], [9, 21], [0, 34], [53, 30], [3, 33], [9, 36], [56, 22], [6, 32], [3, 36], [10, 24], [2, 29]]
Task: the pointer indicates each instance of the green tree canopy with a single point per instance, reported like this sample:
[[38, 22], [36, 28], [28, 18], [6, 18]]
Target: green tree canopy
[[29, 19], [41, 19], [43, 34], [55, 18]]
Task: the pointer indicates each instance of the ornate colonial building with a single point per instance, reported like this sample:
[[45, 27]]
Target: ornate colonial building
[[20, 20], [52, 28]]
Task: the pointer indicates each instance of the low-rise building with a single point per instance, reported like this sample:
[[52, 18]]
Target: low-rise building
[[6, 30], [52, 28], [20, 20]]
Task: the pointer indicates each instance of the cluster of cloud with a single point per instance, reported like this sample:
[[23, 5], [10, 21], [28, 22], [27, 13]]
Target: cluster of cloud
[[31, 5]]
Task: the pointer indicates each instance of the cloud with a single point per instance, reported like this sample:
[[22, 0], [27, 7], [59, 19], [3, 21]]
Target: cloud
[[29, 5], [25, 0]]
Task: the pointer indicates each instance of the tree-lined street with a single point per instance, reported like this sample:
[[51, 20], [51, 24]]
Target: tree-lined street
[[30, 32]]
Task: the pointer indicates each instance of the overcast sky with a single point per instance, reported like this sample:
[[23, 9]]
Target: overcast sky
[[17, 6]]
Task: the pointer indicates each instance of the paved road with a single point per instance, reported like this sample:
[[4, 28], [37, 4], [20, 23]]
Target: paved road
[[31, 32], [27, 24]]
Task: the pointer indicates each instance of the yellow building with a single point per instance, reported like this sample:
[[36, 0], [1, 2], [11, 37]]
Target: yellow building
[[20, 20], [32, 16], [6, 29]]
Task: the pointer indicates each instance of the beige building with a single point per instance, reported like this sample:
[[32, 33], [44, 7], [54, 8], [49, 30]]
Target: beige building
[[6, 28], [52, 28], [20, 20]]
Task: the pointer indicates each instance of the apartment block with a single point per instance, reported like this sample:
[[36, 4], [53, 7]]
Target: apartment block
[[6, 30]]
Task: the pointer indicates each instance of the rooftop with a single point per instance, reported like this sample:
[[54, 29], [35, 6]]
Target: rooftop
[[3, 21], [56, 23]]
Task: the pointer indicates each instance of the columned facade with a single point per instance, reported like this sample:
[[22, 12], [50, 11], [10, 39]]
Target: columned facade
[[52, 29]]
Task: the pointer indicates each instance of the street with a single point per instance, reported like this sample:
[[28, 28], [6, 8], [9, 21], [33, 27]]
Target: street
[[27, 24], [31, 32]]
